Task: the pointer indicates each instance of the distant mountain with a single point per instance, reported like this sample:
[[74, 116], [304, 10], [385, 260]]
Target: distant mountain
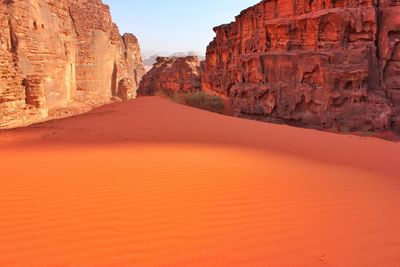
[[150, 59]]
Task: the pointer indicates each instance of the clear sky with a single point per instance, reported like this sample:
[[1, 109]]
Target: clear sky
[[169, 26]]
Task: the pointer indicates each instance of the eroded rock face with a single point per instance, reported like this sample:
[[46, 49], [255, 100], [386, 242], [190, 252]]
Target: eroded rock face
[[331, 64], [172, 74], [54, 54]]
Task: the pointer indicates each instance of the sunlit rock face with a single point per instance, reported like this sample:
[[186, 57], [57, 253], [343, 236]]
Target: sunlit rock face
[[326, 64], [172, 74], [60, 53]]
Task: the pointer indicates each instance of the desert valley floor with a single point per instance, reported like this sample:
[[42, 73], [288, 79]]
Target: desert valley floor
[[152, 183]]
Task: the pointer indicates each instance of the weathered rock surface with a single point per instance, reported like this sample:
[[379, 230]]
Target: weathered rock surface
[[172, 74], [54, 54], [330, 64]]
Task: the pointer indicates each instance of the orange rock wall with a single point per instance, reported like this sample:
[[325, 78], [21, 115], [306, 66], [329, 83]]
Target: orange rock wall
[[325, 64], [58, 53], [172, 74]]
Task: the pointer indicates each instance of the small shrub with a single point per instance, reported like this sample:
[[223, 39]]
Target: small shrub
[[204, 101], [199, 100]]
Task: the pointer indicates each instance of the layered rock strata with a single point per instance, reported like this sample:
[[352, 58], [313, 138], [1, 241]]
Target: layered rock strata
[[326, 64], [172, 74], [54, 54]]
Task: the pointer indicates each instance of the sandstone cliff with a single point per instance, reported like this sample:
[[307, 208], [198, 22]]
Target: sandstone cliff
[[172, 74], [60, 53], [330, 64]]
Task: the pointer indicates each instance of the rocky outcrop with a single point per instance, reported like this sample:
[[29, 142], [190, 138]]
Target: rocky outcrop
[[329, 64], [172, 74], [54, 54]]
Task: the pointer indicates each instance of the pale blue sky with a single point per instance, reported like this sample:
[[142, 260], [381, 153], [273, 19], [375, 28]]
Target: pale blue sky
[[174, 25]]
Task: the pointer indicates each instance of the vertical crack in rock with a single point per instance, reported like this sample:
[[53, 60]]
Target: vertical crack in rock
[[13, 38], [378, 44], [73, 21]]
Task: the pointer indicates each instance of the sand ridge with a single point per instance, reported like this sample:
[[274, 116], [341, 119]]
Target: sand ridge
[[153, 183]]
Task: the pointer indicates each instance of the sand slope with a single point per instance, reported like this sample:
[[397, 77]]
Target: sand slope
[[153, 183]]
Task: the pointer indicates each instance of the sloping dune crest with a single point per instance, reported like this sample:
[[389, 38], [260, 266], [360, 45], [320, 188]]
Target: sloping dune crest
[[152, 183]]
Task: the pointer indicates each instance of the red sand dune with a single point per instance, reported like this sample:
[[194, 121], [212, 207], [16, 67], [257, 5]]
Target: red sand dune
[[153, 183]]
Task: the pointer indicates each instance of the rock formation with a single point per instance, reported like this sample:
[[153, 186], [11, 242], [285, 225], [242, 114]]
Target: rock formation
[[172, 74], [319, 63], [58, 53]]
